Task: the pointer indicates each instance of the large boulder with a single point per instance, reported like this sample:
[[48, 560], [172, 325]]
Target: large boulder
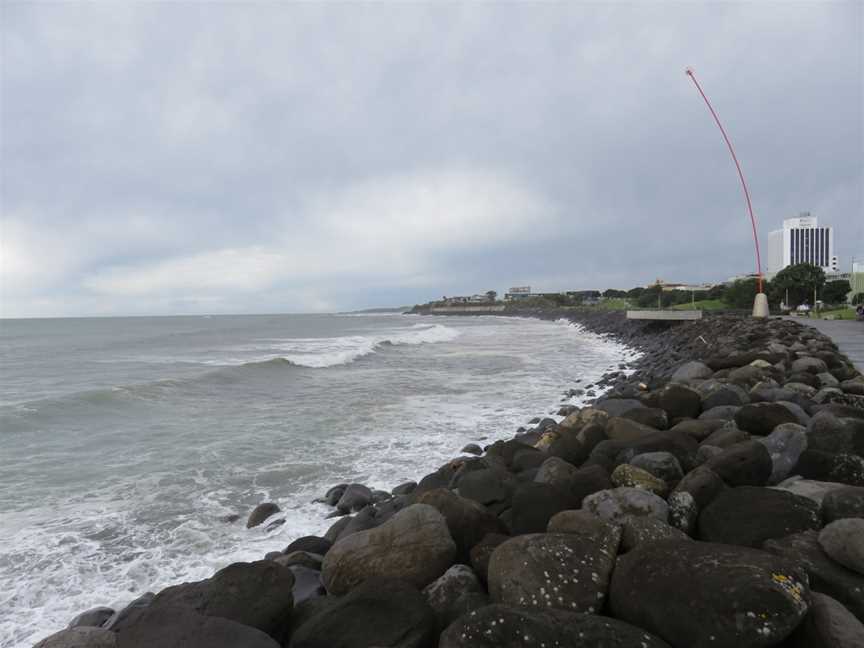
[[814, 490], [826, 575], [617, 406], [809, 365], [715, 394], [261, 513], [748, 516], [178, 626], [559, 570], [629, 475], [762, 418], [785, 445], [844, 468], [698, 595], [690, 371], [703, 484], [625, 429], [487, 486], [617, 503], [555, 472], [94, 618], [380, 612], [720, 413], [503, 626], [843, 502], [663, 465], [258, 595], [679, 401], [534, 504], [653, 417], [457, 592], [636, 530], [467, 520], [843, 541], [414, 545], [829, 624], [482, 552], [743, 464], [80, 637]]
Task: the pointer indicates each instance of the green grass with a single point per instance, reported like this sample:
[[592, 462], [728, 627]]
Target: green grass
[[840, 313], [705, 304], [613, 304]]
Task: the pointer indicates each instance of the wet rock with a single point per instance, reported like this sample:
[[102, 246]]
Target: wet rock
[[762, 418], [414, 546], [534, 504], [714, 394], [305, 558], [355, 498], [80, 637], [121, 617], [747, 516], [555, 472], [482, 552], [814, 490], [502, 626], [559, 570], [680, 401], [261, 513], [843, 541], [826, 575], [95, 618], [307, 584], [472, 448], [456, 592], [256, 594], [743, 464], [486, 486], [653, 417], [585, 524], [312, 544], [467, 521], [826, 466], [178, 626], [829, 624], [725, 436], [615, 504], [785, 445], [636, 530], [733, 596], [696, 428], [683, 512], [380, 612], [843, 502], [333, 494], [720, 412], [622, 429], [809, 365], [617, 406]]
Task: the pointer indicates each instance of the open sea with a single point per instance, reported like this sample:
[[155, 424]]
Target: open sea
[[123, 441]]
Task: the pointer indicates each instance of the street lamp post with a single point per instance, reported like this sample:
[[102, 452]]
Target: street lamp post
[[760, 304]]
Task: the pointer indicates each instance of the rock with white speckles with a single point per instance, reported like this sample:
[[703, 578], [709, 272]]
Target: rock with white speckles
[[683, 512], [616, 503], [455, 593], [629, 475], [703, 595], [843, 541], [636, 530], [553, 570], [785, 444], [501, 626]]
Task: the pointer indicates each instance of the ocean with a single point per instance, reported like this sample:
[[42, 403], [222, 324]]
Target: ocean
[[125, 441]]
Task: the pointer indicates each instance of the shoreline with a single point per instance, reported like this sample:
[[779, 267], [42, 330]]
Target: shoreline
[[564, 482]]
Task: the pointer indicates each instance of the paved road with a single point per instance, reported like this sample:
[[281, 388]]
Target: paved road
[[847, 334]]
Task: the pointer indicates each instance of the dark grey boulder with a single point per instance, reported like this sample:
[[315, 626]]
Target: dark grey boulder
[[727, 435], [404, 488], [801, 416], [809, 365], [721, 412], [827, 433], [560, 570], [456, 592], [95, 618], [334, 493], [486, 486], [261, 513], [555, 472], [414, 546], [587, 525], [636, 530], [617, 503], [617, 406], [826, 575], [692, 370], [380, 612], [482, 552], [679, 401], [762, 418], [502, 626], [122, 616], [623, 429], [257, 594], [828, 624], [307, 583], [355, 497], [727, 592], [534, 504], [843, 541], [312, 544], [663, 465], [748, 516], [80, 637], [653, 417], [697, 429], [170, 626], [472, 448], [467, 521], [844, 468], [743, 464], [846, 502], [714, 394]]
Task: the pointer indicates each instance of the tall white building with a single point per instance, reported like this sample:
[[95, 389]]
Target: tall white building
[[801, 241]]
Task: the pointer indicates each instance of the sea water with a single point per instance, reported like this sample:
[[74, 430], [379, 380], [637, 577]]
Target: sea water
[[124, 442]]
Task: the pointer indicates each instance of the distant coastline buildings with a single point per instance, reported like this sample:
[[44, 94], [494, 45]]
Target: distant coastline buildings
[[801, 240]]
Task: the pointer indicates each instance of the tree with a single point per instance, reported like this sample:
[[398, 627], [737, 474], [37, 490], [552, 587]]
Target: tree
[[741, 294], [612, 293], [717, 291], [835, 292], [648, 297], [491, 295], [635, 293], [858, 298], [800, 280]]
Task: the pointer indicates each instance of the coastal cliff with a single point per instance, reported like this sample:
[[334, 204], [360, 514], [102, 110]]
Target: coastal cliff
[[711, 495]]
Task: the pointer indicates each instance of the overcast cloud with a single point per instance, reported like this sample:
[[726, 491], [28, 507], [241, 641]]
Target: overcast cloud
[[208, 158]]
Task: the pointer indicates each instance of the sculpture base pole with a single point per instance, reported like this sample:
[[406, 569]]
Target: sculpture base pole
[[760, 305]]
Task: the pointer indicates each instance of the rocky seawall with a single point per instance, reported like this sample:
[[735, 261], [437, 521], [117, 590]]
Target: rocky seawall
[[713, 497]]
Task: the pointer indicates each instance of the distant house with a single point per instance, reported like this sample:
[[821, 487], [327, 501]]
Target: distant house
[[518, 292]]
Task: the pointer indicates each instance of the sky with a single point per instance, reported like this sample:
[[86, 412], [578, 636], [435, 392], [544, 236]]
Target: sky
[[190, 157]]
